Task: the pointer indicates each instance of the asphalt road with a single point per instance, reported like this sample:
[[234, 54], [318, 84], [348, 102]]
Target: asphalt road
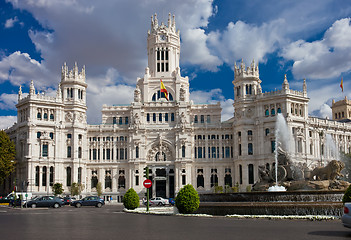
[[110, 222]]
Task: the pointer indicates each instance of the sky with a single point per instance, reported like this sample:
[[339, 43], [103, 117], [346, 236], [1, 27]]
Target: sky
[[302, 39]]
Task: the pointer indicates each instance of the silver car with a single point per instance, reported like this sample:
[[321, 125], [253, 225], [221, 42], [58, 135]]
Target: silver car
[[346, 217], [159, 201]]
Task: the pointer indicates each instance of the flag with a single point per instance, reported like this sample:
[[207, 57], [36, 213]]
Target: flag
[[164, 92], [342, 85]]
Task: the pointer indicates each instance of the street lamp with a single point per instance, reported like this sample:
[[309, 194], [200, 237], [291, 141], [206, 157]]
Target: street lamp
[[321, 136]]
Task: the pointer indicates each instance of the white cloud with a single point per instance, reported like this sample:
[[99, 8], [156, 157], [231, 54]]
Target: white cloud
[[322, 59], [7, 121], [8, 101], [11, 22], [19, 68], [242, 40]]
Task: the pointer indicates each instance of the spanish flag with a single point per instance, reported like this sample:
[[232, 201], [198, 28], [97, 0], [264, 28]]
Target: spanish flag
[[342, 85], [164, 92]]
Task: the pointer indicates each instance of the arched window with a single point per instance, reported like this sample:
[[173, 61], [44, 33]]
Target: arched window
[[241, 174], [51, 176], [160, 117], [183, 151], [272, 111], [108, 180], [267, 131], [214, 177], [52, 117], [37, 176], [39, 115], [94, 179], [266, 113], [68, 176], [137, 152], [249, 132], [114, 120], [195, 119], [43, 182], [158, 158], [79, 175], [200, 180], [228, 180], [279, 110], [45, 116]]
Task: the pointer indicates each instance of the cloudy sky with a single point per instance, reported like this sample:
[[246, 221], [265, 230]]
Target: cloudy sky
[[303, 39]]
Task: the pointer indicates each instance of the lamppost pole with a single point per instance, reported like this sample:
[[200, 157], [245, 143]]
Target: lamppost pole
[[321, 134]]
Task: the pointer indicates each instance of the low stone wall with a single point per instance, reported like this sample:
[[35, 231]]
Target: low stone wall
[[298, 196], [273, 203], [274, 208]]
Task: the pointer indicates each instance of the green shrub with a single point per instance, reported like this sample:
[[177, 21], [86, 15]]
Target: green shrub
[[131, 199], [347, 195], [187, 200]]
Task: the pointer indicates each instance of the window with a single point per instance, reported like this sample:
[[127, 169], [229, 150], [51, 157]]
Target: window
[[266, 113], [37, 176], [250, 149], [195, 119], [108, 154], [183, 179], [120, 121], [79, 175], [45, 150], [279, 110], [39, 115], [43, 182], [69, 151], [108, 179], [267, 131], [249, 133], [200, 180], [45, 116], [251, 174], [239, 149], [208, 118], [166, 117], [69, 135], [272, 146], [94, 154], [51, 176], [202, 118], [199, 152], [126, 120], [68, 176], [241, 174], [172, 117], [38, 134], [51, 135], [183, 151], [114, 120], [160, 117], [213, 150], [272, 112], [227, 152], [79, 152], [137, 152], [214, 177], [154, 117]]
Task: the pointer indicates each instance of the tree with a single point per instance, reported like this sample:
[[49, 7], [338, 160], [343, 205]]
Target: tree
[[131, 199], [7, 156], [57, 189], [347, 195], [99, 189], [187, 200], [76, 189]]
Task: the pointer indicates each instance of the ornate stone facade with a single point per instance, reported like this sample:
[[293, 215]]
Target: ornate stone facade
[[181, 142]]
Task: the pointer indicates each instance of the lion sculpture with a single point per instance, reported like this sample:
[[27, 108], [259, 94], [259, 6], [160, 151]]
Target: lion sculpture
[[329, 172]]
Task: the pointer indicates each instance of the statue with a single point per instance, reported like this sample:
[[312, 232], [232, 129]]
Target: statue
[[137, 94], [329, 172]]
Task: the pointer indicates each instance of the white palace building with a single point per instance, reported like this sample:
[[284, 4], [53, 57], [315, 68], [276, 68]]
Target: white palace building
[[181, 142]]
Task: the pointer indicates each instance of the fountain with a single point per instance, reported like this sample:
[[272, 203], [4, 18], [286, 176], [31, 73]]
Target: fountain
[[282, 139]]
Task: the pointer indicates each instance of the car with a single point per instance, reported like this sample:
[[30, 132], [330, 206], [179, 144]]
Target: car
[[68, 200], [89, 201], [346, 217], [45, 201], [159, 201]]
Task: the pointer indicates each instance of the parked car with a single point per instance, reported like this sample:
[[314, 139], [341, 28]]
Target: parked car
[[45, 201], [159, 201], [346, 217], [68, 200], [89, 201]]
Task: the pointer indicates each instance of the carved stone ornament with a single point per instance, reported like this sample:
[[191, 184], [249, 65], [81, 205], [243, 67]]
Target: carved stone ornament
[[69, 117]]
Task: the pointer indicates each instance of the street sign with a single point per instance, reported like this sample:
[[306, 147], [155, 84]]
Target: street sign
[[147, 183]]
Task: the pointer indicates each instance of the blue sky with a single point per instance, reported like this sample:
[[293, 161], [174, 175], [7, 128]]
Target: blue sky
[[303, 39]]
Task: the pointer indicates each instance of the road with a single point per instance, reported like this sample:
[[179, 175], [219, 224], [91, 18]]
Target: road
[[110, 222]]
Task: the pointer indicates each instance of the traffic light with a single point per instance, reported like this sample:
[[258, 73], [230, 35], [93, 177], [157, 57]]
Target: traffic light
[[146, 172]]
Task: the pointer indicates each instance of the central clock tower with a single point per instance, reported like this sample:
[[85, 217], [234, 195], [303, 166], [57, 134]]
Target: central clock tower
[[163, 45]]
